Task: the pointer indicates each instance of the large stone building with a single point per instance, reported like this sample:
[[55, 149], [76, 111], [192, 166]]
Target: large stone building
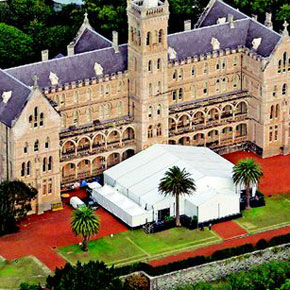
[[223, 84]]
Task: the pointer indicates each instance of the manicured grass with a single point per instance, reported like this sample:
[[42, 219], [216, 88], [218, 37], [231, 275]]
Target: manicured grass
[[26, 269], [276, 213], [132, 246]]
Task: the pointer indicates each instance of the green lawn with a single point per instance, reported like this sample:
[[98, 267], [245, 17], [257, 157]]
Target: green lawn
[[133, 246], [27, 269], [275, 214]]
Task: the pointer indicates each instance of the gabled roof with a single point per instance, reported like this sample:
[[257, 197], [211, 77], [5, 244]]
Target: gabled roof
[[72, 68], [20, 94], [218, 9], [91, 40]]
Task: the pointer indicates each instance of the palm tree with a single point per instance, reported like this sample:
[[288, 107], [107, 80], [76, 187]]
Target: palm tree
[[247, 172], [175, 183], [85, 222]]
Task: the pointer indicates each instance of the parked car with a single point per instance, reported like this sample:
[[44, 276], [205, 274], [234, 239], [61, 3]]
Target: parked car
[[75, 202]]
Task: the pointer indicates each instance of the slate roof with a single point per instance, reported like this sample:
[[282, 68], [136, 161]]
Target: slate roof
[[219, 10], [20, 94], [73, 68], [91, 40]]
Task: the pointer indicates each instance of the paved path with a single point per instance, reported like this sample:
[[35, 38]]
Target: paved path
[[229, 243]]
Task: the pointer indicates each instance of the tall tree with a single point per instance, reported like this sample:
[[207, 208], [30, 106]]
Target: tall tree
[[85, 223], [248, 173], [15, 203], [177, 182]]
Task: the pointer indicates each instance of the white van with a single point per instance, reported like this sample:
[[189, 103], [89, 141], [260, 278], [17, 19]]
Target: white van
[[75, 202]]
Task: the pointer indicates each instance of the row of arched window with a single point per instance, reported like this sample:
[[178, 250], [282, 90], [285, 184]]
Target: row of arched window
[[151, 65], [104, 90], [47, 164], [274, 111], [284, 63], [152, 90], [151, 111], [158, 130], [26, 169], [156, 37], [36, 145], [36, 119]]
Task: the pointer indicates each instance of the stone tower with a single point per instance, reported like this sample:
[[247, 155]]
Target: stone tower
[[147, 65]]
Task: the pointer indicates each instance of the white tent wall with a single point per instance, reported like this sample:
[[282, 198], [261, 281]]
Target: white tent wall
[[189, 208], [218, 207]]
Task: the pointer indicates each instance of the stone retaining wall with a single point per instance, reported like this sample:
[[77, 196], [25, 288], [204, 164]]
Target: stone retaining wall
[[219, 269]]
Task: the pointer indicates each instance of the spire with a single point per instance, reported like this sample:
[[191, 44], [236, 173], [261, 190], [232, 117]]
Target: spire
[[35, 82], [285, 31]]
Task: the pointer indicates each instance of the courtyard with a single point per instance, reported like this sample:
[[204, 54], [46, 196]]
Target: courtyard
[[49, 239]]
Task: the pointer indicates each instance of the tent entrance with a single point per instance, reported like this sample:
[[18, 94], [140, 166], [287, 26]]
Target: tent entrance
[[163, 213]]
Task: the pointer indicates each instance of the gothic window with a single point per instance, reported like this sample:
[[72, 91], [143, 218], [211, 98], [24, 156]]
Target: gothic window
[[159, 130], [62, 99], [49, 166], [41, 119], [284, 89], [174, 95], [160, 36], [30, 119], [49, 186], [193, 71], [23, 169], [217, 86], [217, 66], [76, 97], [205, 88], [205, 68], [44, 187], [279, 66], [180, 95], [236, 81], [275, 91], [150, 131], [159, 110], [76, 118], [36, 146], [277, 111], [223, 64], [270, 134], [150, 66], [235, 61], [272, 112], [139, 37], [174, 76], [28, 168], [107, 89], [158, 63], [47, 143], [148, 38], [25, 149], [276, 133], [44, 162], [150, 112], [180, 76]]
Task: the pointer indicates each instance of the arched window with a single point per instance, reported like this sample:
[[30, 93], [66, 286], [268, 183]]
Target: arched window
[[148, 38], [235, 61], [275, 91], [159, 110], [158, 63], [284, 89], [47, 143], [36, 146], [279, 65], [49, 186], [284, 58], [44, 162], [272, 112], [174, 76], [193, 71], [119, 108], [180, 95], [159, 130], [205, 88], [28, 168], [30, 119], [25, 149], [180, 76], [159, 87], [75, 117], [35, 114], [41, 121], [205, 68], [174, 95], [49, 167], [107, 89], [160, 36], [217, 86], [76, 97], [236, 82], [150, 90], [139, 37], [150, 131], [150, 66], [223, 64], [23, 169], [89, 94], [150, 112], [277, 112]]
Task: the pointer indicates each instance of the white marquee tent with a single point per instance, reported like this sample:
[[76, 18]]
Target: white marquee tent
[[131, 187]]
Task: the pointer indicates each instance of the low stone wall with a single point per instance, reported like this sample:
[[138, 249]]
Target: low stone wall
[[219, 269]]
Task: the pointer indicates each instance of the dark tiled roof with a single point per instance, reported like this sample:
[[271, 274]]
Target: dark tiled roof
[[91, 40], [219, 10], [198, 41], [10, 111], [73, 68]]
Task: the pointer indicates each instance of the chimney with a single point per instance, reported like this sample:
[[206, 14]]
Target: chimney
[[255, 17], [70, 49], [115, 41], [231, 20], [187, 25], [44, 55], [268, 20]]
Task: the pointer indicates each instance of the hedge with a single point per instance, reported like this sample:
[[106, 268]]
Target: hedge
[[199, 260]]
